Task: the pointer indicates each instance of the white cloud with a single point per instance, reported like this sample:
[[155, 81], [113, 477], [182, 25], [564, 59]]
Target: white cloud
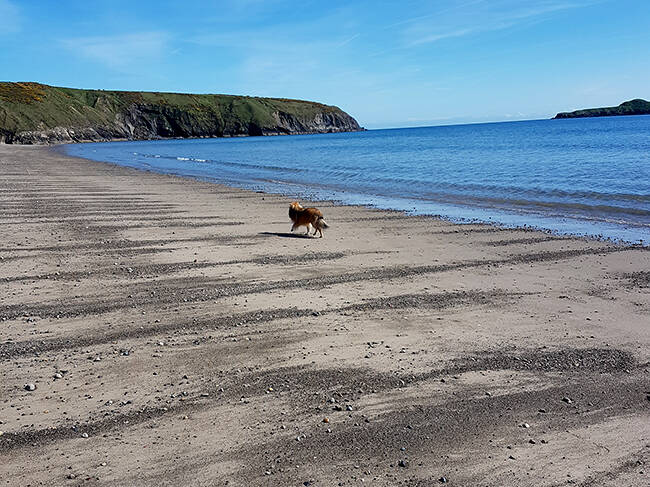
[[9, 18], [120, 51]]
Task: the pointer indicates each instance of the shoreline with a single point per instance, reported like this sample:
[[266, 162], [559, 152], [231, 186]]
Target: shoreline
[[60, 148], [177, 332]]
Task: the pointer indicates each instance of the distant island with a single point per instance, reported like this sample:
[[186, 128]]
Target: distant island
[[632, 107], [34, 113]]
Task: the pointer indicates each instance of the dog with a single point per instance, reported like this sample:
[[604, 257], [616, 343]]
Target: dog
[[308, 217]]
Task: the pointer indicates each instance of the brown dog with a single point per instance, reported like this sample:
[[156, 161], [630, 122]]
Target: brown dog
[[308, 217]]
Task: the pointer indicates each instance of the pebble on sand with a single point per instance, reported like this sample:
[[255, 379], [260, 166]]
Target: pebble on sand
[[30, 387]]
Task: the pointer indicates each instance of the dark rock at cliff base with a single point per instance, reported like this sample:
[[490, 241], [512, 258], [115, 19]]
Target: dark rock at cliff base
[[33, 113], [632, 107]]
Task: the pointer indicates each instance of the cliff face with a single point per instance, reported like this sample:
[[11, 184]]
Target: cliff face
[[32, 113], [632, 107]]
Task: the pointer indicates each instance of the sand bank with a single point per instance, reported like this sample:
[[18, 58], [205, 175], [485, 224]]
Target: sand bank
[[178, 334]]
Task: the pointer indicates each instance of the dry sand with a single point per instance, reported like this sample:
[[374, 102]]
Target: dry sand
[[177, 334]]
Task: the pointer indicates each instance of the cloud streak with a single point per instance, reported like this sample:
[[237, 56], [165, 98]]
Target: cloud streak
[[348, 40], [484, 17], [10, 21], [120, 51]]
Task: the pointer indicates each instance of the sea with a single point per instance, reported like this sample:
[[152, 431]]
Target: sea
[[585, 176]]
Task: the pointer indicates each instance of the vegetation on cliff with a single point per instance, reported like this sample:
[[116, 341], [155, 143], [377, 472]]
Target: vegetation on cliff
[[36, 113], [632, 107]]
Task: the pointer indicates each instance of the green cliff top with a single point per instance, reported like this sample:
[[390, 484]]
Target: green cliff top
[[24, 105], [34, 113]]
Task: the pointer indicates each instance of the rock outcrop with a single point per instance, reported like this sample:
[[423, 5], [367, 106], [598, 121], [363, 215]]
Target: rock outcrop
[[632, 107], [33, 113]]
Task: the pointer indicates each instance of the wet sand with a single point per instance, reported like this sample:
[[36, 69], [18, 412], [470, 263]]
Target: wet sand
[[178, 334]]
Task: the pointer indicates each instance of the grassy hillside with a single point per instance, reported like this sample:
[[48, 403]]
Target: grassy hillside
[[32, 110], [632, 107]]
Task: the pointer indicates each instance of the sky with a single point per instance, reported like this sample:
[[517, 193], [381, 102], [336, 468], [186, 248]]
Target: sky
[[388, 64]]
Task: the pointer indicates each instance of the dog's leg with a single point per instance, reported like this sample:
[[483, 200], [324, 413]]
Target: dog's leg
[[293, 227], [308, 228]]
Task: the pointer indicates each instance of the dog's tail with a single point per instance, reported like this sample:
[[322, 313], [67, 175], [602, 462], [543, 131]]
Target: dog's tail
[[322, 222]]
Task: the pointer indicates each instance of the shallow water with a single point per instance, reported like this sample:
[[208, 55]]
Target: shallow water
[[586, 176]]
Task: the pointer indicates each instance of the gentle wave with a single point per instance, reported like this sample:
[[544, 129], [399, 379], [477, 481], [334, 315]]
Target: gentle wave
[[537, 196], [587, 176], [226, 163]]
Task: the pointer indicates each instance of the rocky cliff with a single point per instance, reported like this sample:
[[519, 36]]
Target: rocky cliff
[[33, 113], [632, 107]]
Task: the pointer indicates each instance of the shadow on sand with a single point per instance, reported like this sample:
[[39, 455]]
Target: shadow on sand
[[286, 234]]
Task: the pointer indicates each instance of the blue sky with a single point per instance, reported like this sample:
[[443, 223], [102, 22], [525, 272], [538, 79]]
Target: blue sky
[[389, 64]]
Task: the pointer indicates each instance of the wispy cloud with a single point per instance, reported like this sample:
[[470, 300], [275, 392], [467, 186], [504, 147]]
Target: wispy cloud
[[438, 13], [278, 56], [348, 40], [10, 21], [120, 51], [442, 35], [279, 38], [478, 17]]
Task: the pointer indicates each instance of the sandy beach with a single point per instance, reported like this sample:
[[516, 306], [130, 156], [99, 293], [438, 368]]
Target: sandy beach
[[176, 333]]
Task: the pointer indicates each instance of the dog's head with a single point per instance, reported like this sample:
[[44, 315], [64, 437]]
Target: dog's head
[[296, 206]]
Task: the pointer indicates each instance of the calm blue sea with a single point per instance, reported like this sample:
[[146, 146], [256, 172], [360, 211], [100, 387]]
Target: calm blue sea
[[587, 176]]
